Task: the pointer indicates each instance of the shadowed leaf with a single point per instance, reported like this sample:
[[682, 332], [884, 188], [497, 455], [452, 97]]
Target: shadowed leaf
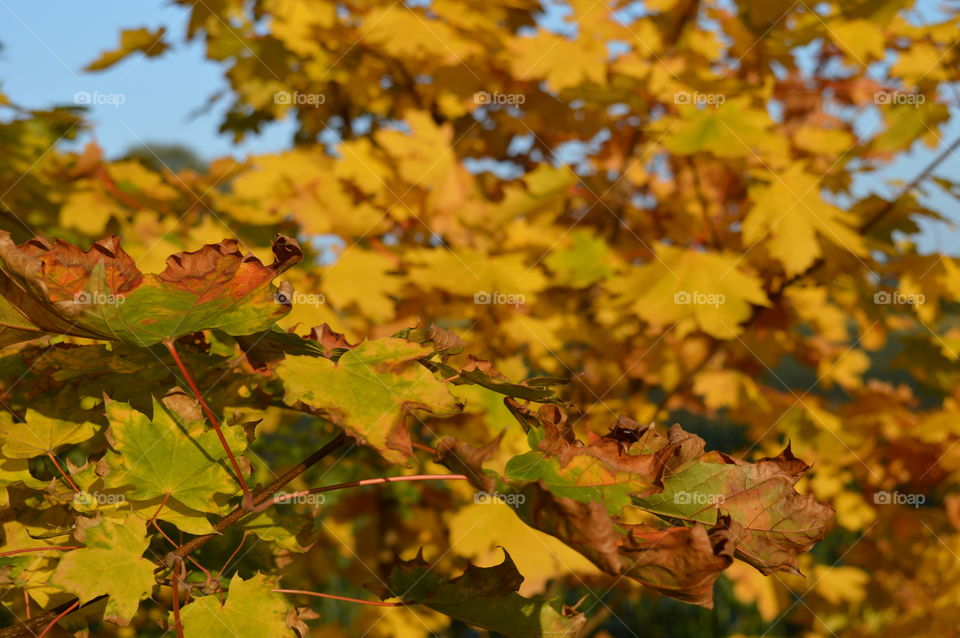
[[482, 596]]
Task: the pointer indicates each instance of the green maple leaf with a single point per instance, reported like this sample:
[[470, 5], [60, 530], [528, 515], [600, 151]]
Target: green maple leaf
[[731, 129], [484, 597], [170, 456], [369, 391], [587, 260], [40, 434], [14, 327], [702, 288], [101, 294], [181, 516], [112, 564], [251, 609]]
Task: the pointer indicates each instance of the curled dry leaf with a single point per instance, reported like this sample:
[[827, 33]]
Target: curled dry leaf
[[99, 293], [482, 373], [680, 562], [330, 340], [467, 459], [779, 523], [582, 493]]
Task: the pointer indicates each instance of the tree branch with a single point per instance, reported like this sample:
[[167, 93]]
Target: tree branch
[[30, 628], [261, 496]]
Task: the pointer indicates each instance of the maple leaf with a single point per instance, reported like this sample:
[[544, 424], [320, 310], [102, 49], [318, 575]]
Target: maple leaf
[[778, 523], [680, 562], [362, 277], [485, 597], [560, 61], [150, 43], [789, 215], [14, 327], [580, 492], [468, 272], [111, 563], [585, 261], [706, 288], [251, 609], [101, 294], [40, 434], [369, 391], [731, 129], [169, 456], [601, 471], [861, 39]]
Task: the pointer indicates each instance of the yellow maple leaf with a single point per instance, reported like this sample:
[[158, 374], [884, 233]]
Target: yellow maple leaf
[[841, 584], [88, 211], [294, 22], [423, 155], [539, 556], [706, 288], [470, 273], [563, 63], [408, 33], [860, 39], [728, 129], [920, 62], [789, 216], [361, 277], [750, 586]]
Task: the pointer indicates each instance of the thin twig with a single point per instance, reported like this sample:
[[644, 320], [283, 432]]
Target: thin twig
[[344, 598], [63, 613], [261, 496], [247, 498], [175, 587], [373, 481], [230, 558], [37, 549], [66, 476]]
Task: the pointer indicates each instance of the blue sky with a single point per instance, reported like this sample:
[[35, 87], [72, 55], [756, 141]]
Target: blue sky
[[47, 43]]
